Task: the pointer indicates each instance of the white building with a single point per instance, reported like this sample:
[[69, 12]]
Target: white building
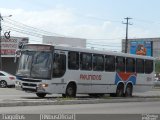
[[74, 42]]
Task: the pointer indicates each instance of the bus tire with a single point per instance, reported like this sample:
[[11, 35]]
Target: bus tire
[[41, 95], [128, 91], [120, 90], [71, 90]]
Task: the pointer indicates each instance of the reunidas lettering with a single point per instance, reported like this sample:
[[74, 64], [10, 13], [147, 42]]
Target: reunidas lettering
[[90, 77]]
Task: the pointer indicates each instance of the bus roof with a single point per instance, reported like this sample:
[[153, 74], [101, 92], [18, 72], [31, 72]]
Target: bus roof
[[87, 50]]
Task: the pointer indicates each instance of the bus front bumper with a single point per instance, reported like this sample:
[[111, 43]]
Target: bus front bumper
[[40, 88]]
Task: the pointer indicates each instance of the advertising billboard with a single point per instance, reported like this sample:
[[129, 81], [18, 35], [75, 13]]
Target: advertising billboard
[[141, 47]]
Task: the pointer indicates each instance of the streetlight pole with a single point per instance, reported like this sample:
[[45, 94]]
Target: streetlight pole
[[1, 18], [0, 42]]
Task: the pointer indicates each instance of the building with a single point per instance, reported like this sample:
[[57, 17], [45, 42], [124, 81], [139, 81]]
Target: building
[[143, 46], [8, 48], [74, 42]]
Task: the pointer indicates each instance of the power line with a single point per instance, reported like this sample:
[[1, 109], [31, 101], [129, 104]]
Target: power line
[[19, 24], [31, 33]]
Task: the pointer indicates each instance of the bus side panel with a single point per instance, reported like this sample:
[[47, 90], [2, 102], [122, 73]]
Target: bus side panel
[[81, 79], [105, 83], [144, 82], [55, 85]]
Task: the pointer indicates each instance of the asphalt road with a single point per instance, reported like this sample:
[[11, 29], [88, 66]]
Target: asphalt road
[[105, 108], [125, 111], [12, 93], [100, 111]]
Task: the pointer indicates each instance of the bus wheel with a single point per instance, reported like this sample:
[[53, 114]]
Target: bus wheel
[[128, 91], [71, 90], [120, 90], [41, 95]]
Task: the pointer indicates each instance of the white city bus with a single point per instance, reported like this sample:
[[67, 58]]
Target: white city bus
[[48, 69]]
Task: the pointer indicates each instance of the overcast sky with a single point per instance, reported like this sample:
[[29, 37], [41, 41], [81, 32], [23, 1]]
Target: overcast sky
[[99, 21]]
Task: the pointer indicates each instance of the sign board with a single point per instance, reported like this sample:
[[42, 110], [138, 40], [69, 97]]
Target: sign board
[[9, 46]]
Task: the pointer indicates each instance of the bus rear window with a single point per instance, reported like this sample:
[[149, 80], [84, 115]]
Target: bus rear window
[[148, 66]]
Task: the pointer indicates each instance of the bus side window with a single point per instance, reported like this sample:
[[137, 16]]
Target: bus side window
[[98, 62], [86, 61], [148, 66], [130, 65], [59, 65], [120, 64], [139, 65], [73, 60], [109, 63]]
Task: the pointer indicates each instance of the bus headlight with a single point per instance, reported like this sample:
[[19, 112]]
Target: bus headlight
[[42, 86]]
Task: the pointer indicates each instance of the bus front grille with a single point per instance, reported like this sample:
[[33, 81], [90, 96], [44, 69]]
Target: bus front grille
[[29, 90], [29, 85]]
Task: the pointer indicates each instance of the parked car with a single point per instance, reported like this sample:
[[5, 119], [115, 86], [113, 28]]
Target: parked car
[[6, 79]]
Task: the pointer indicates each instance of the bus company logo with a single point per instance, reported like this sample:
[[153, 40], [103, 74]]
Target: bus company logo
[[90, 77], [125, 77]]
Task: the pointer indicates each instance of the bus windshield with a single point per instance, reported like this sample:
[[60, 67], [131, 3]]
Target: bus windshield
[[35, 64]]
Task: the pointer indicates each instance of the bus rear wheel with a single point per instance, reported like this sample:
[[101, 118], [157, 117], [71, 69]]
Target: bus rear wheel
[[128, 91], [120, 90], [70, 90], [41, 95]]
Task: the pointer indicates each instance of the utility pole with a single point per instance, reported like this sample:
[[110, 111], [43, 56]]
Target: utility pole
[[126, 42]]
